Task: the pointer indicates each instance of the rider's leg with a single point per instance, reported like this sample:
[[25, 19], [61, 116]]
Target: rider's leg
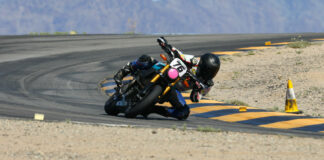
[[180, 109]]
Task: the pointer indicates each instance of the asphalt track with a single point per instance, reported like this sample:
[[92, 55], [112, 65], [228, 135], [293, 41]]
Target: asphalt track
[[58, 76]]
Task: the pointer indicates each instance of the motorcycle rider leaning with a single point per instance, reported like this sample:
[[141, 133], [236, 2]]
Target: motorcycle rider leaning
[[204, 69]]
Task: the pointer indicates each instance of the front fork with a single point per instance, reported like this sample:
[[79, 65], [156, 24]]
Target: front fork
[[168, 88], [157, 77]]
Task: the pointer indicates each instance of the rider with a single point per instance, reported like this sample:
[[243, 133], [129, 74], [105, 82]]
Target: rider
[[204, 69]]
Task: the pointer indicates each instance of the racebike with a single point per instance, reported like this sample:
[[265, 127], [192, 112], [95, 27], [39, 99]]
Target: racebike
[[148, 87]]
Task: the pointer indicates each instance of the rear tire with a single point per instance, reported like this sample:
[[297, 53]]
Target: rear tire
[[110, 107], [148, 100]]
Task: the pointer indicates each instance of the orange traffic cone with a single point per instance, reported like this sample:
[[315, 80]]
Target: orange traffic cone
[[291, 104]]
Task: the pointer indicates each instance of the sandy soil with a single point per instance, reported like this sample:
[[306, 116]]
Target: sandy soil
[[42, 140], [258, 78]]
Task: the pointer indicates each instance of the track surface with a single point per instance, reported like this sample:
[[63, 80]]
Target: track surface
[[58, 75]]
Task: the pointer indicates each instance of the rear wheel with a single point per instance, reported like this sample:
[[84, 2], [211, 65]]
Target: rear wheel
[[148, 100], [110, 106]]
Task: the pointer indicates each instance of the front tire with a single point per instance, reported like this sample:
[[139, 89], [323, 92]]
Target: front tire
[[110, 107], [148, 100]]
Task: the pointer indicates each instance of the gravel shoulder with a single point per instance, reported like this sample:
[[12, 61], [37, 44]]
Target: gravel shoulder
[[258, 78], [65, 140]]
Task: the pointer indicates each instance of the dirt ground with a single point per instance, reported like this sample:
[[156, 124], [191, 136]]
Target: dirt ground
[[258, 78], [65, 140]]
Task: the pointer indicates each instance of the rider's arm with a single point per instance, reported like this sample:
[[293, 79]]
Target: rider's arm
[[190, 60], [200, 89], [170, 50], [122, 73], [175, 53]]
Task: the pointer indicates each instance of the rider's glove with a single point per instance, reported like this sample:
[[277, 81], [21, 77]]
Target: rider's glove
[[200, 85], [210, 83], [162, 42], [195, 96], [118, 90], [194, 61]]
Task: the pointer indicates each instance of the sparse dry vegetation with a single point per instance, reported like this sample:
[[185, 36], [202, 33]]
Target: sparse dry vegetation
[[299, 44], [261, 81], [226, 59], [207, 129]]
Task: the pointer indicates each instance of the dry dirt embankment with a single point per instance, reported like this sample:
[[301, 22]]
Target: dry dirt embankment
[[258, 78], [41, 140]]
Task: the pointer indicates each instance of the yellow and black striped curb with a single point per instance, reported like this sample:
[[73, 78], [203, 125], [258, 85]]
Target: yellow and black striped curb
[[230, 113]]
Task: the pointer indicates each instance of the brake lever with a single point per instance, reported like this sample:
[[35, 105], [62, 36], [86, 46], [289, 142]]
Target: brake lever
[[203, 86]]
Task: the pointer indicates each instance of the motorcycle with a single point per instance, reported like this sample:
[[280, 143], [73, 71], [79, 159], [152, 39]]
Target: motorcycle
[[149, 87]]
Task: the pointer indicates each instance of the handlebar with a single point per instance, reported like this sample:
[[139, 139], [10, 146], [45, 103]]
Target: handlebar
[[202, 85], [166, 47], [162, 40]]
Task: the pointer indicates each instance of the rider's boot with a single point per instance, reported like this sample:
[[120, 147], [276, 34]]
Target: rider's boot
[[180, 109], [179, 113]]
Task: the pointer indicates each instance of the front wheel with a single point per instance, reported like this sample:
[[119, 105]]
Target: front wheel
[[110, 106], [148, 100]]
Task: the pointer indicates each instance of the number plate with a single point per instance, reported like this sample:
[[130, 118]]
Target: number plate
[[179, 65]]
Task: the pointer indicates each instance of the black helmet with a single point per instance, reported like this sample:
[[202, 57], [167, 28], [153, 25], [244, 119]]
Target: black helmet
[[208, 66]]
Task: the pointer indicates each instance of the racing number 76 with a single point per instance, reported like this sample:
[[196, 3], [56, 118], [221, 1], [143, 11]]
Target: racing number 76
[[179, 66]]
